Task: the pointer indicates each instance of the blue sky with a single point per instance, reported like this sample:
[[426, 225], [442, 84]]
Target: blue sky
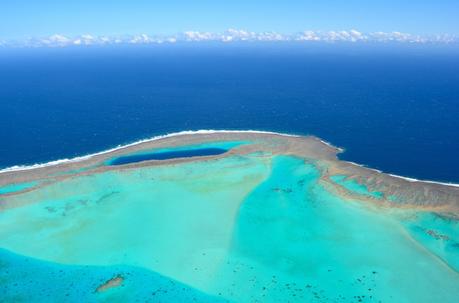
[[34, 18]]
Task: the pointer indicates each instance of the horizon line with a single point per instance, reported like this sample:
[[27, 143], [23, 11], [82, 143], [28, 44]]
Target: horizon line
[[230, 35]]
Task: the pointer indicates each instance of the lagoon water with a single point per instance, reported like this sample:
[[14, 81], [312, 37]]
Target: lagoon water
[[11, 188], [168, 155], [198, 150], [254, 228]]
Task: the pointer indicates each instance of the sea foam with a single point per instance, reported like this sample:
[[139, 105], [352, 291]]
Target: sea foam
[[195, 132], [159, 137]]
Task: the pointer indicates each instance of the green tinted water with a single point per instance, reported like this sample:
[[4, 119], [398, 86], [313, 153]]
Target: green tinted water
[[247, 229]]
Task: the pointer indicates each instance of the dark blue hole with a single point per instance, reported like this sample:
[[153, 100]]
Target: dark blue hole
[[168, 155]]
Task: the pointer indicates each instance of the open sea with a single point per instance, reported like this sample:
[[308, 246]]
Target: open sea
[[391, 107]]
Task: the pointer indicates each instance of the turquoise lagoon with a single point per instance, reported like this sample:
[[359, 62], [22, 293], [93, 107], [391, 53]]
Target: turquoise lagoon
[[12, 188], [40, 281], [254, 228], [355, 187]]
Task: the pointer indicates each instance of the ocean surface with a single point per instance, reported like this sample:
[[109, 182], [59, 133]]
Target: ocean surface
[[391, 107]]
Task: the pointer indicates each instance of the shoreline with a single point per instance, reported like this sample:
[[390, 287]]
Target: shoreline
[[21, 168], [394, 191], [15, 168]]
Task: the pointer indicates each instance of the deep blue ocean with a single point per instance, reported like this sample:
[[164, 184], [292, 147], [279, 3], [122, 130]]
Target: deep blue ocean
[[392, 107]]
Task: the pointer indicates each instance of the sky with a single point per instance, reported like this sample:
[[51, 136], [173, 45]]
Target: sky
[[21, 19]]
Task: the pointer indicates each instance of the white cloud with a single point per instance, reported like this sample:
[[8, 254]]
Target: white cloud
[[56, 40], [356, 35], [307, 36], [87, 40], [234, 35], [198, 36], [143, 39], [399, 37]]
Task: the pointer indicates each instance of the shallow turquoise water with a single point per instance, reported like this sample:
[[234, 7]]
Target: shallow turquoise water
[[438, 233], [355, 187], [39, 281], [295, 241], [16, 187], [244, 228]]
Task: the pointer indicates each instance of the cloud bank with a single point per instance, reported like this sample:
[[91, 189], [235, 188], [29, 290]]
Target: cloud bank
[[232, 35]]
